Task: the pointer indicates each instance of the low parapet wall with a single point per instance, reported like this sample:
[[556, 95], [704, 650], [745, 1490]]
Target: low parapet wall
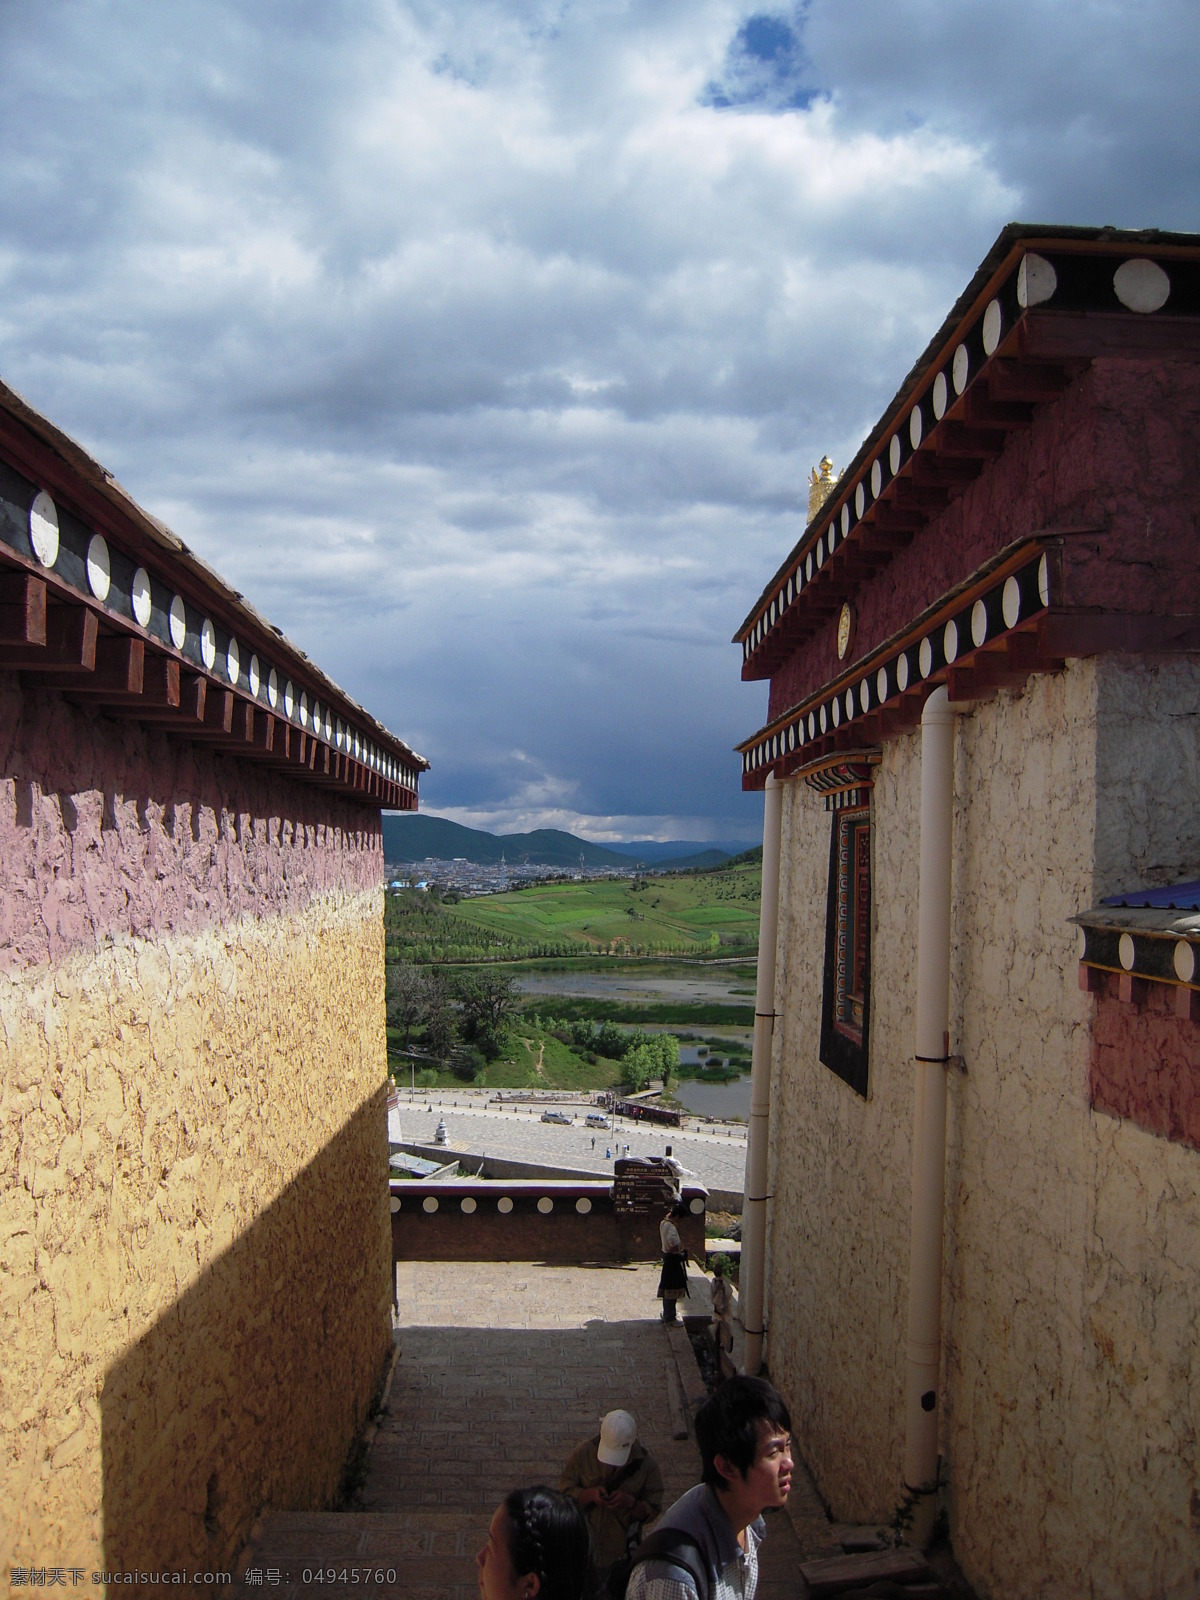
[[491, 1166], [529, 1220]]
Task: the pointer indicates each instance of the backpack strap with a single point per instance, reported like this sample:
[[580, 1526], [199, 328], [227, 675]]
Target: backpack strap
[[680, 1550]]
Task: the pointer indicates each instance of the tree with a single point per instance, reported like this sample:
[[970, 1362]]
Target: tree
[[408, 993], [653, 1056], [488, 999], [666, 1049], [441, 1027], [637, 1067]]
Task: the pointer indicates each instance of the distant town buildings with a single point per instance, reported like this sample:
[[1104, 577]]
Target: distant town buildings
[[472, 877]]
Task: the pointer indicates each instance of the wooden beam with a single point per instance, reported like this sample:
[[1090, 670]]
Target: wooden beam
[[119, 671], [185, 713], [956, 439], [265, 727], [893, 518], [980, 412], [932, 502], [948, 471], [71, 634], [159, 699], [884, 541], [22, 609], [1034, 383], [1045, 335], [218, 711]]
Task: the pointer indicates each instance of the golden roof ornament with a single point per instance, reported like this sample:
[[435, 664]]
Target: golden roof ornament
[[821, 484]]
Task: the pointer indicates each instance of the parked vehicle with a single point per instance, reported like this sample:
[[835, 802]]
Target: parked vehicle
[[557, 1116], [596, 1119]]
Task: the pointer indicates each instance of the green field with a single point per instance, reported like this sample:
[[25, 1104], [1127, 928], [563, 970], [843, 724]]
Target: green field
[[699, 913]]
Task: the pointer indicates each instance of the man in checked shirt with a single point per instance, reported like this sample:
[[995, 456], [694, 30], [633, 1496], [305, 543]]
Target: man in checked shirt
[[744, 1434]]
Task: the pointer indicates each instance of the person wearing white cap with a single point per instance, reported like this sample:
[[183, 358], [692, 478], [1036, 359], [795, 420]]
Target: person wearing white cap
[[617, 1482]]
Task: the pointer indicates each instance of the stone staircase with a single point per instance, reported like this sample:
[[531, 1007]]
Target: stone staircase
[[472, 1411], [475, 1409]]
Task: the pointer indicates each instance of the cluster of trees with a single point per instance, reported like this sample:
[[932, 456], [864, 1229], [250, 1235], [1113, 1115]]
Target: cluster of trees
[[463, 1022], [643, 1056]]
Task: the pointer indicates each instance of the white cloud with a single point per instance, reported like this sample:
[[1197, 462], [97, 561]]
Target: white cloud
[[489, 355]]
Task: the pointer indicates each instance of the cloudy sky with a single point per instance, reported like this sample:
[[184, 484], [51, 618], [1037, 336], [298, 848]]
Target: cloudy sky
[[487, 346]]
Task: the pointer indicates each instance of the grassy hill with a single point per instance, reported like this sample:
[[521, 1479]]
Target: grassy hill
[[412, 837], [695, 913]]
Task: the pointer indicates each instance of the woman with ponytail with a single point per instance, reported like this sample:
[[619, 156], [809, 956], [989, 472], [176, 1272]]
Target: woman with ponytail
[[538, 1548]]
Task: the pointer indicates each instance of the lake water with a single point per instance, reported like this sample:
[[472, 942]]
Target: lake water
[[715, 1099]]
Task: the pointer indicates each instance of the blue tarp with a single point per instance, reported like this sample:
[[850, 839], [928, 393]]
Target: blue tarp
[[1175, 897]]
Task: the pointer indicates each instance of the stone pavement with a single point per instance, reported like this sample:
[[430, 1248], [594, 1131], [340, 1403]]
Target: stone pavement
[[502, 1370], [717, 1155]]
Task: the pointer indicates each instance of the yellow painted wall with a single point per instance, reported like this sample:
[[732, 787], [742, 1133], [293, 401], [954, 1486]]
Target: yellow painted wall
[[1072, 1285], [194, 1236]]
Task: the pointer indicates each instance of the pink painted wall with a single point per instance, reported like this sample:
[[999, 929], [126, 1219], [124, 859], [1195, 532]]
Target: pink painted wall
[[1120, 448], [109, 828], [1145, 1065]]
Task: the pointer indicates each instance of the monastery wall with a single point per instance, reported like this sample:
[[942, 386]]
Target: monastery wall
[[1081, 464], [194, 1234], [1072, 1282]]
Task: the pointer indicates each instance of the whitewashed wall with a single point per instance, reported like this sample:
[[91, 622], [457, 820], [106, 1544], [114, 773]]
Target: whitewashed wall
[[1072, 1286]]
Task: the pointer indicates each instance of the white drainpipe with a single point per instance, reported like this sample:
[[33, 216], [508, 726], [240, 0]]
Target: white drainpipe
[[921, 1393], [754, 1207]]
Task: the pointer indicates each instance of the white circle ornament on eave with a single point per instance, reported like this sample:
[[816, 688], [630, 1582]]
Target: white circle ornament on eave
[[140, 598], [993, 326], [1036, 281], [1184, 961], [43, 528], [1141, 285], [99, 569], [177, 622]]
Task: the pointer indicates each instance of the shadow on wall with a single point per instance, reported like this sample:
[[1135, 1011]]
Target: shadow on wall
[[249, 1392]]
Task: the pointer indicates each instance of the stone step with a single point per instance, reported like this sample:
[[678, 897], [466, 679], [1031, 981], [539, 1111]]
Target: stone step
[[836, 1575], [421, 1554]]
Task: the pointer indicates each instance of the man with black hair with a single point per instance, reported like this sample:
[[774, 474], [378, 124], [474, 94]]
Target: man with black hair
[[706, 1546]]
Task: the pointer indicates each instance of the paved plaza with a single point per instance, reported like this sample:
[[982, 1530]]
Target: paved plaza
[[716, 1153]]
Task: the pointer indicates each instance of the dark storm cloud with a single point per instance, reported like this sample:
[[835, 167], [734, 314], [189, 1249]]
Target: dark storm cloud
[[487, 346]]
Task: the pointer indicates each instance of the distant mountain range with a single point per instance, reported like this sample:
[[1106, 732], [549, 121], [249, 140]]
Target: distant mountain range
[[414, 836]]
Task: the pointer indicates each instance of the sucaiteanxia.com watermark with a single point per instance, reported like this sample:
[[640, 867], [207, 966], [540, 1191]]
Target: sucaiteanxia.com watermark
[[71, 1577]]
